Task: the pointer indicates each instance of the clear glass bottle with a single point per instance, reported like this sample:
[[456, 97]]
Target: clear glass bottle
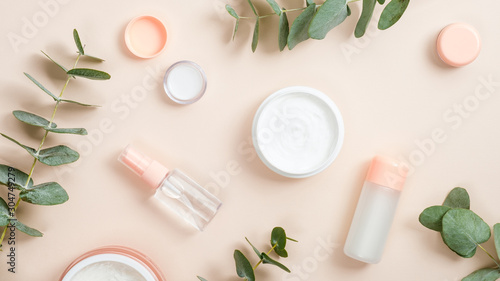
[[173, 188], [375, 210]]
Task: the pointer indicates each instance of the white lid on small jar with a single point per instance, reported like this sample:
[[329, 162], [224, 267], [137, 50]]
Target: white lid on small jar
[[185, 82]]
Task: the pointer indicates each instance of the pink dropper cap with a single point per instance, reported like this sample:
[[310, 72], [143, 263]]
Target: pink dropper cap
[[148, 169]]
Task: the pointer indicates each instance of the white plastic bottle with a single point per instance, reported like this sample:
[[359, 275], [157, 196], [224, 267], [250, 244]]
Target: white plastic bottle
[[375, 210]]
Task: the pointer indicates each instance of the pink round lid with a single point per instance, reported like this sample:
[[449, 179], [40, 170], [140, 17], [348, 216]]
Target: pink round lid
[[458, 44], [146, 36]]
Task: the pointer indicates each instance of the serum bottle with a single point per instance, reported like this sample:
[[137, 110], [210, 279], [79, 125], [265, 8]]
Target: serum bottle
[[173, 188], [375, 210]]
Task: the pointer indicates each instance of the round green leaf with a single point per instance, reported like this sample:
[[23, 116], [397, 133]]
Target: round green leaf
[[45, 194], [485, 274], [58, 155], [432, 217], [278, 238], [457, 198], [463, 230], [243, 267], [300, 26], [329, 15], [13, 176], [392, 13]]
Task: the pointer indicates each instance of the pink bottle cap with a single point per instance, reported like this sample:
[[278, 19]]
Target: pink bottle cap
[[149, 170], [458, 44], [146, 36], [386, 172]]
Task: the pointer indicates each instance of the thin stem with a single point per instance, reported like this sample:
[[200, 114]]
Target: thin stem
[[267, 253], [3, 235], [496, 262]]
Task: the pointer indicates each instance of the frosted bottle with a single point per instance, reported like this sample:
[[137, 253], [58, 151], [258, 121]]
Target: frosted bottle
[[375, 210]]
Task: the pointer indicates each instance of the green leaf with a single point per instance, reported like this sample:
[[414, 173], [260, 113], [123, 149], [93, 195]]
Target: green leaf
[[41, 86], [47, 194], [89, 73], [74, 131], [432, 217], [267, 260], [201, 278], [364, 19], [392, 13], [78, 42], [78, 103], [253, 7], [284, 30], [58, 155], [236, 25], [309, 2], [243, 267], [4, 213], [381, 2], [17, 177], [94, 58], [281, 252], [26, 229], [348, 11], [254, 249], [32, 119], [30, 150], [496, 235], [60, 66], [457, 198], [329, 15], [463, 230], [485, 274], [278, 238], [232, 12], [300, 27], [255, 39], [275, 6]]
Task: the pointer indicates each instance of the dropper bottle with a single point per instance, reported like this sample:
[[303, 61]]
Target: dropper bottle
[[173, 188]]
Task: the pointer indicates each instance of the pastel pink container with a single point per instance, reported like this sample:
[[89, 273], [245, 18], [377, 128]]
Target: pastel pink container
[[126, 258], [458, 44]]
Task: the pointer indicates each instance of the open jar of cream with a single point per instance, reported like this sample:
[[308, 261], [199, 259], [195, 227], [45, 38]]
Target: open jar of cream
[[298, 132], [112, 263]]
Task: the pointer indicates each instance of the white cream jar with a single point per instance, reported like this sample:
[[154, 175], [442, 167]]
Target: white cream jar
[[298, 132]]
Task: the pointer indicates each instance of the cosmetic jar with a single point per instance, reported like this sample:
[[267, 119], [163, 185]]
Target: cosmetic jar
[[458, 44], [146, 36], [185, 82], [112, 263], [298, 132]]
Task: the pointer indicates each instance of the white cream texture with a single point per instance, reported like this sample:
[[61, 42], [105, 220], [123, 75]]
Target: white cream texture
[[296, 133], [108, 271], [185, 82]]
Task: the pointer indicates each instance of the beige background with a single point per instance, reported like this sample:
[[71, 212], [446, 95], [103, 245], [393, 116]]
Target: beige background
[[391, 88]]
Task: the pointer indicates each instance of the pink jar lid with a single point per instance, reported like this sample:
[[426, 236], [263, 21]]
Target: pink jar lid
[[146, 36], [129, 258], [458, 44]]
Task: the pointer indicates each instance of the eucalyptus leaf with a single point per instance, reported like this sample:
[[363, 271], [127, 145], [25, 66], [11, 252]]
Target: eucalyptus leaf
[[30, 150], [17, 177], [60, 66], [4, 213], [243, 267], [58, 155], [284, 31], [485, 274], [79, 103], [348, 10], [253, 7], [26, 229], [255, 39], [236, 25], [47, 194], [267, 260], [381, 2], [89, 73], [392, 13], [463, 230], [457, 198], [278, 238], [254, 249], [32, 119], [328, 16], [281, 252], [364, 19], [309, 2], [201, 278], [496, 235], [232, 12], [41, 86], [432, 217], [78, 42], [94, 58], [74, 131], [276, 8], [300, 26]]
